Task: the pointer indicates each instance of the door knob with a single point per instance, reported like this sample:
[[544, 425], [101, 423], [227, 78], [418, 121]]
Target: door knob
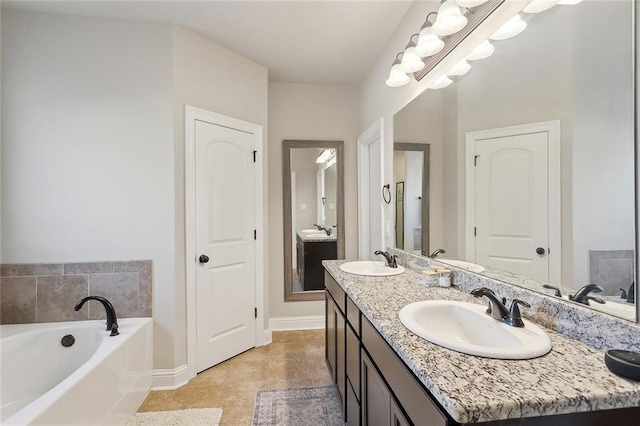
[[540, 250], [203, 258]]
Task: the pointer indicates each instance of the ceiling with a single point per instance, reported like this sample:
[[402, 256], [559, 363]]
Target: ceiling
[[323, 42]]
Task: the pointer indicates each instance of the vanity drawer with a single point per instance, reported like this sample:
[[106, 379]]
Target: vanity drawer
[[353, 316], [412, 396], [335, 290]]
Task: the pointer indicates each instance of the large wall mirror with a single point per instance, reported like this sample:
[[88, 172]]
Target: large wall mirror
[[532, 157], [313, 200]]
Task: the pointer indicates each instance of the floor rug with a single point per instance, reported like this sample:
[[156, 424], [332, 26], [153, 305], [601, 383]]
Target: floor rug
[[191, 417], [310, 406]]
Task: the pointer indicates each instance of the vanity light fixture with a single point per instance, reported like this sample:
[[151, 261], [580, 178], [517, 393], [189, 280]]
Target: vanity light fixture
[[481, 51], [511, 28], [537, 6], [397, 77], [441, 83], [428, 43], [470, 3], [450, 19], [461, 68], [326, 155], [411, 61]]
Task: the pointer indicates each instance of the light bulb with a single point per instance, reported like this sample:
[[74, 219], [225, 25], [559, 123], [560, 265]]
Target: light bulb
[[441, 83], [397, 77], [411, 61], [537, 6], [450, 19], [428, 43], [470, 3], [511, 28], [481, 51], [461, 68]]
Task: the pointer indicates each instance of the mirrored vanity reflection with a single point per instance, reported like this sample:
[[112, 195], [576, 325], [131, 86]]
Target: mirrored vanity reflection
[[531, 160], [313, 202]]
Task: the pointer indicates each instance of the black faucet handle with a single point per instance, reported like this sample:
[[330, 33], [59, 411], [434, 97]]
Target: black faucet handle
[[623, 295], [514, 318]]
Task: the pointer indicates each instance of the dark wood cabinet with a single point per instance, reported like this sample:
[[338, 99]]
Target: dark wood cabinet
[[310, 255]]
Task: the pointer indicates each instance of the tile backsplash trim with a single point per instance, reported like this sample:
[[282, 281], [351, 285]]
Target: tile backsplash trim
[[598, 330], [47, 292]]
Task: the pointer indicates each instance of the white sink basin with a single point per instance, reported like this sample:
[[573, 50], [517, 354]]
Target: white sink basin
[[310, 231], [465, 327], [316, 235], [471, 267], [371, 268]]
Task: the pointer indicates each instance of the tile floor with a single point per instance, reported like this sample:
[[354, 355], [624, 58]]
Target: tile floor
[[293, 359]]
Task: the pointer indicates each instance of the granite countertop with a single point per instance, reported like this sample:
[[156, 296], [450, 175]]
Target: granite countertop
[[571, 378]]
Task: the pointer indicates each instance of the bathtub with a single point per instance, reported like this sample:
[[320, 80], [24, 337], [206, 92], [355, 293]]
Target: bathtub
[[97, 380]]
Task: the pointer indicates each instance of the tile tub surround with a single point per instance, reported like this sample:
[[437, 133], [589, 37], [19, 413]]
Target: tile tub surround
[[596, 329], [571, 378], [47, 292]]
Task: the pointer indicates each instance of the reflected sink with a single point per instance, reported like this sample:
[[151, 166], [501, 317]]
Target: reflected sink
[[371, 268], [465, 327], [471, 267]]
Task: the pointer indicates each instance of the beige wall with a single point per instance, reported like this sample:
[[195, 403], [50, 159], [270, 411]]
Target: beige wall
[[313, 112]]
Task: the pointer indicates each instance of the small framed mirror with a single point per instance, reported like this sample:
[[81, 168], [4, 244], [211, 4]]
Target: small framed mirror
[[313, 203]]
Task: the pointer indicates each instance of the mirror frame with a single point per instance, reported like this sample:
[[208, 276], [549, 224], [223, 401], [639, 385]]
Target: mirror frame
[[426, 202], [287, 145]]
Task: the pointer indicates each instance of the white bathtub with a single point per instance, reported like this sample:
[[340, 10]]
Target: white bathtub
[[98, 380]]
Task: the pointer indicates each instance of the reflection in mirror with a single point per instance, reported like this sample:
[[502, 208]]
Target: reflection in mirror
[[533, 155], [313, 214], [411, 178]]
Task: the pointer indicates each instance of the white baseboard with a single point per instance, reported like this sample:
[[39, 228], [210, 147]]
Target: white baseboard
[[312, 322], [266, 338], [170, 378]]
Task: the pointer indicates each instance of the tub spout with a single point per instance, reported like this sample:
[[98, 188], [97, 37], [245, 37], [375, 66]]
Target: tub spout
[[112, 320]]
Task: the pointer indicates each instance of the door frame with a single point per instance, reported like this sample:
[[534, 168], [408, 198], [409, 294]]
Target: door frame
[[192, 115], [553, 128], [376, 131]]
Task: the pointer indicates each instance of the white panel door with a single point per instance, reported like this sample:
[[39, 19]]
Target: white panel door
[[512, 204], [225, 223]]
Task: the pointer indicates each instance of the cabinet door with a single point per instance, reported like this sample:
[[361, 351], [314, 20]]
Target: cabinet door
[[353, 406], [341, 354], [330, 335], [397, 418], [375, 396], [353, 360]]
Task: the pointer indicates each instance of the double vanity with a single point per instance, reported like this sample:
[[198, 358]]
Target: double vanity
[[387, 374]]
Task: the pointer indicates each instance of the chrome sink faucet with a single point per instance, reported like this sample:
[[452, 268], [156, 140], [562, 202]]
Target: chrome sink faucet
[[391, 259], [497, 309], [582, 295], [112, 319]]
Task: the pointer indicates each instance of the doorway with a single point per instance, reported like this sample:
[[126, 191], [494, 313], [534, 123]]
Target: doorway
[[223, 237], [513, 199]]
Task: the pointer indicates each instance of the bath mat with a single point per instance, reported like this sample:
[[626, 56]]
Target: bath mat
[[191, 417], [309, 406]]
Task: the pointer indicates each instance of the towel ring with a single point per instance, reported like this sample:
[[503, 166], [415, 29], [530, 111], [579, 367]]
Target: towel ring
[[386, 189]]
